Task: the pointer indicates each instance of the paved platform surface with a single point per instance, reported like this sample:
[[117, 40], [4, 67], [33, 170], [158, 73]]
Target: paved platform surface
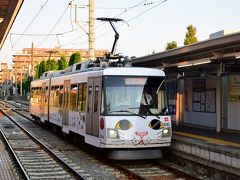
[[7, 170], [220, 151], [231, 140]]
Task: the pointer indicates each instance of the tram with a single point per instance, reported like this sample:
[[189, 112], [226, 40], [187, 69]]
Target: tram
[[111, 105]]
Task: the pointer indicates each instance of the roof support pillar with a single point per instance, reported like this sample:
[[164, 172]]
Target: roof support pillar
[[218, 101]]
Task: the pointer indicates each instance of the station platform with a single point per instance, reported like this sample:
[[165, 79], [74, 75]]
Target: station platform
[[227, 139], [214, 150], [7, 169]]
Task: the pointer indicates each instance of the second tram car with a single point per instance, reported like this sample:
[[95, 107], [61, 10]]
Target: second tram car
[[121, 109]]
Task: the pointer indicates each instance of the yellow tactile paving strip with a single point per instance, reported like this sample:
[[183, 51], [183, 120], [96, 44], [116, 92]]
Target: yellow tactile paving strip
[[7, 171], [212, 140]]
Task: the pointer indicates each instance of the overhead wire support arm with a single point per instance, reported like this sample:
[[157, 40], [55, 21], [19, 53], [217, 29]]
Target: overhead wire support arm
[[116, 37], [111, 20]]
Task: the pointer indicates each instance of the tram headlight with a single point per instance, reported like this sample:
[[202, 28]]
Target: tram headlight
[[112, 133], [166, 132]]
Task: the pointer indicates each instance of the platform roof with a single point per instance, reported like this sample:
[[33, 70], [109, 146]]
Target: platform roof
[[8, 12], [221, 48]]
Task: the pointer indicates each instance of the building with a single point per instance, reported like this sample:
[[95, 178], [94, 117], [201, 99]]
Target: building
[[30, 57], [8, 12], [203, 82], [5, 73]]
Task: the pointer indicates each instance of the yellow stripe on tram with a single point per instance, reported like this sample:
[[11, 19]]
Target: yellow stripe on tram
[[212, 140]]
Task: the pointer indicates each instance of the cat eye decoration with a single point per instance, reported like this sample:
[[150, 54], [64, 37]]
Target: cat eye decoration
[[123, 125]]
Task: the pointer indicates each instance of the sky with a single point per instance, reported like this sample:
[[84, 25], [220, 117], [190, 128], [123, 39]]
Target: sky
[[148, 26]]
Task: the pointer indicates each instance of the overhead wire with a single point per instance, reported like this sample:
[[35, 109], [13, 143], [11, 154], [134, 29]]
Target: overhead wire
[[125, 11], [55, 24], [70, 4], [160, 2], [53, 34]]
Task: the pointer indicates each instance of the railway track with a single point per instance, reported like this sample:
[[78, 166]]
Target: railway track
[[34, 158], [149, 169], [67, 152], [119, 170], [14, 105]]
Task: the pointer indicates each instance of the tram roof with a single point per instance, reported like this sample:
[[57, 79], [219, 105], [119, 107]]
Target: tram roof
[[133, 71]]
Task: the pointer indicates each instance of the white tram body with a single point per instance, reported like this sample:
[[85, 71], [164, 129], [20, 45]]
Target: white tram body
[[117, 108]]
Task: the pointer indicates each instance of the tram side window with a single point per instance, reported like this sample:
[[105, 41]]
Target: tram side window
[[35, 99], [81, 100], [32, 90], [96, 99], [32, 93], [46, 95], [40, 95], [36, 95], [43, 90], [39, 92], [84, 96], [89, 108], [80, 95], [73, 97], [102, 104], [66, 92], [61, 96], [52, 96], [56, 96]]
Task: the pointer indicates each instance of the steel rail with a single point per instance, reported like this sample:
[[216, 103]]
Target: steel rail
[[129, 172], [176, 171], [68, 167], [133, 174], [15, 156]]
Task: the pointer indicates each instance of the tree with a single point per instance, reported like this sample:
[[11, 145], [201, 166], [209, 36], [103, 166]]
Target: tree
[[26, 84], [62, 63], [41, 68], [51, 65], [190, 35], [74, 58], [37, 72], [171, 45]]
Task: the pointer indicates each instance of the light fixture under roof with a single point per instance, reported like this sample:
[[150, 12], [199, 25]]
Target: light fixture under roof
[[194, 62], [1, 20]]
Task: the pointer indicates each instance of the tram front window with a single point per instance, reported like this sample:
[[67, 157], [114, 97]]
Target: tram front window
[[134, 95]]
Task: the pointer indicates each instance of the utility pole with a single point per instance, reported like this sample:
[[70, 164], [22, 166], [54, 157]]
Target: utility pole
[[21, 82], [91, 30], [32, 61], [16, 80]]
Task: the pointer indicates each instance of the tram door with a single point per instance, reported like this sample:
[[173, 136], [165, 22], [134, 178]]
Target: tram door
[[93, 106], [65, 108]]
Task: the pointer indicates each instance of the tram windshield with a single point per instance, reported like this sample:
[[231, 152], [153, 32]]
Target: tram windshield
[[140, 96]]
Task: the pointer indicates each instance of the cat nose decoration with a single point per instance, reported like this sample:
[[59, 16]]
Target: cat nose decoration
[[141, 134]]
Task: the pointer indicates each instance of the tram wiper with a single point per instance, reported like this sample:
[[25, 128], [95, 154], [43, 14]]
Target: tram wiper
[[129, 112], [163, 112]]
